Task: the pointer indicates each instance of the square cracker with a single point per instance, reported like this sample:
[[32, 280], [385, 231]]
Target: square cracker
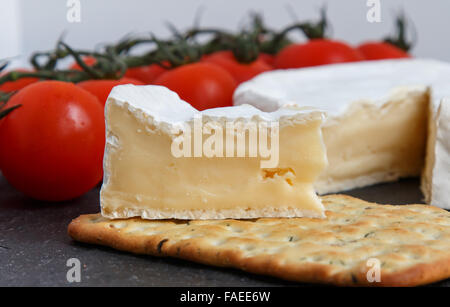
[[411, 242]]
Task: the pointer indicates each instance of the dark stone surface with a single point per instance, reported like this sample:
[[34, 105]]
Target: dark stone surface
[[34, 246]]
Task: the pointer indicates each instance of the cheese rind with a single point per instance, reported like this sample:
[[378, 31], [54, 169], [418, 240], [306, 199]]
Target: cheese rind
[[143, 177], [436, 176], [377, 114]]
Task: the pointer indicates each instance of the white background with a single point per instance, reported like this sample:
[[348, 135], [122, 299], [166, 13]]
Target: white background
[[29, 25]]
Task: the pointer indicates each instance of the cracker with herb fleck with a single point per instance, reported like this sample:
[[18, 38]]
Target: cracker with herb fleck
[[410, 242]]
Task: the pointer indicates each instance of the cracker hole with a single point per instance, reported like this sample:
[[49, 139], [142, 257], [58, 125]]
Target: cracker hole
[[293, 239], [160, 245], [369, 234]]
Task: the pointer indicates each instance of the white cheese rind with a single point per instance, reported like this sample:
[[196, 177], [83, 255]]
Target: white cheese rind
[[436, 178], [167, 110], [334, 88]]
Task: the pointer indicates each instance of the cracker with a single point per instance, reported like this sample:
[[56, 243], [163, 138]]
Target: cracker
[[412, 242]]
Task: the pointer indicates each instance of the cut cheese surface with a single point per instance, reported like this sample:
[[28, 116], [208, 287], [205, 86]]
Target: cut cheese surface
[[376, 127], [436, 175], [143, 177], [369, 145]]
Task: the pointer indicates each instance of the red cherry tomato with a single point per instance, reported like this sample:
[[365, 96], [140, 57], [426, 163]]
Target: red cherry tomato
[[269, 59], [204, 57], [316, 52], [241, 72], [19, 84], [381, 50], [146, 74], [102, 88], [51, 147], [203, 85], [87, 59]]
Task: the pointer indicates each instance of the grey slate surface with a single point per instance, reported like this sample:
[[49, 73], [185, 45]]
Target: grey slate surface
[[34, 246]]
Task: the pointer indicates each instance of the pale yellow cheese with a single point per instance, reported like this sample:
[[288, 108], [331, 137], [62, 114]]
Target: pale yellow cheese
[[143, 178], [370, 144]]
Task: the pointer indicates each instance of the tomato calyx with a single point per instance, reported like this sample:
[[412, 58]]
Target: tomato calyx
[[274, 42], [4, 97], [244, 45], [312, 30], [177, 53], [106, 65], [109, 64], [399, 39], [246, 48], [220, 40]]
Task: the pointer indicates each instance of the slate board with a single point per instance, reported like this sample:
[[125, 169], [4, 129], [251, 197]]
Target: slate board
[[34, 246]]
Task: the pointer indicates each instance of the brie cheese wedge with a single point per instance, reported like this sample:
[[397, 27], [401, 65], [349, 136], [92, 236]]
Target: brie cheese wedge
[[376, 126], [164, 159], [436, 175]]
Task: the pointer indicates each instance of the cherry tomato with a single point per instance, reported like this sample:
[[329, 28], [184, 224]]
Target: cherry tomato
[[146, 74], [241, 72], [102, 88], [381, 50], [87, 59], [316, 52], [203, 85], [269, 59], [204, 57], [19, 84], [51, 147]]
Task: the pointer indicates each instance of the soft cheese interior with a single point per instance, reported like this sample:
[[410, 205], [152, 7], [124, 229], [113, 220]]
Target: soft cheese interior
[[376, 127], [143, 178], [370, 144], [436, 176]]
